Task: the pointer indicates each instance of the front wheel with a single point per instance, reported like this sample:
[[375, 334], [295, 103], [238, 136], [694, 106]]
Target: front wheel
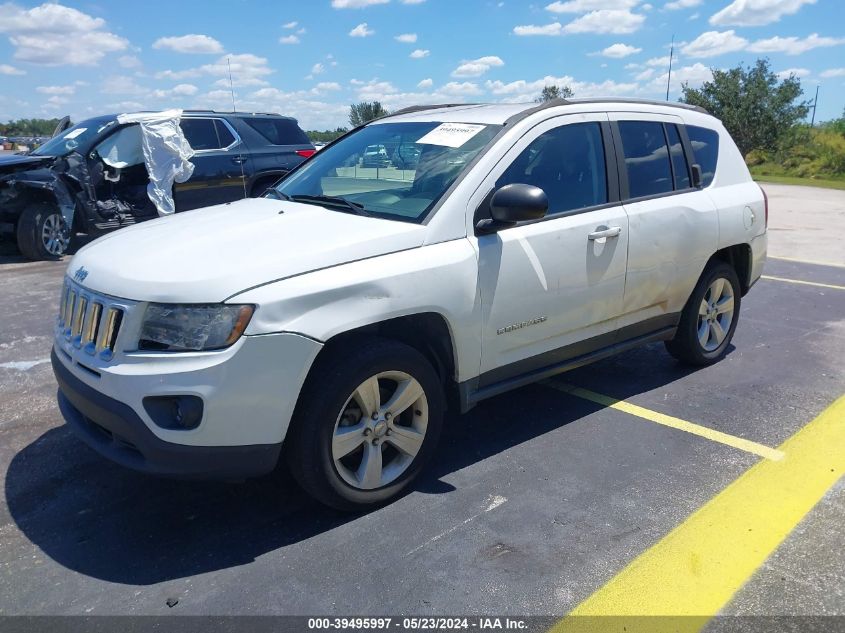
[[367, 420], [42, 232], [709, 318]]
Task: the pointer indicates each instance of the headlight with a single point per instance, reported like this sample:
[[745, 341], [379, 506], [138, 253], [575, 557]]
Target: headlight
[[179, 328]]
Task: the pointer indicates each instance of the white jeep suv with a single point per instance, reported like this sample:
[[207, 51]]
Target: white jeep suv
[[329, 323]]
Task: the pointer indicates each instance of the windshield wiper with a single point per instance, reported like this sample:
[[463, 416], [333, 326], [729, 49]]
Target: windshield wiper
[[342, 204]]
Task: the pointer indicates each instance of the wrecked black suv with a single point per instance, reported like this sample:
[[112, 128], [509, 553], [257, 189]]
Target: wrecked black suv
[[113, 171]]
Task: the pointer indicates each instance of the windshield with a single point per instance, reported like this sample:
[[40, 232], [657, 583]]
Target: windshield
[[79, 135], [396, 171]]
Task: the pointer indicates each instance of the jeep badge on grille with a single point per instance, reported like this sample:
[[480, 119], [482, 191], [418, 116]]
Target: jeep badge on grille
[[80, 274]]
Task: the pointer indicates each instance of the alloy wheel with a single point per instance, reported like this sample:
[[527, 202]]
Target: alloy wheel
[[715, 314]]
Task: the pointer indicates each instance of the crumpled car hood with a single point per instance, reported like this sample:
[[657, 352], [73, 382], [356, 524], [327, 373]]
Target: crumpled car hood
[[10, 163], [211, 254]]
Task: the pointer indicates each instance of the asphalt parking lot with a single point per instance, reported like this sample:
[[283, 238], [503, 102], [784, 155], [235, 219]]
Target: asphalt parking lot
[[595, 484]]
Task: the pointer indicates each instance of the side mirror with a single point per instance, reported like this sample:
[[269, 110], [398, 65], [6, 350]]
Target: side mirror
[[514, 203], [696, 175]]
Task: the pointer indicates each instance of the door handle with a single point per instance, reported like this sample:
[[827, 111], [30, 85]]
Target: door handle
[[238, 160], [613, 231]]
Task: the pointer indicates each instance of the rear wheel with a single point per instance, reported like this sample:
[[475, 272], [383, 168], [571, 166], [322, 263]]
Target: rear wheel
[[367, 421], [42, 232], [709, 318]]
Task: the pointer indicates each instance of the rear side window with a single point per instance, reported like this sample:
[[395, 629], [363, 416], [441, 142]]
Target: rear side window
[[705, 146], [278, 131], [679, 161], [567, 163], [203, 134], [646, 158]]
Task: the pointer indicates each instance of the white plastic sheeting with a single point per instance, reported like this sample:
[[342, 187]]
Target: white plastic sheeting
[[167, 154]]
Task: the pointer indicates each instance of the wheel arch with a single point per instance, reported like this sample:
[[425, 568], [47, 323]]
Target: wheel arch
[[264, 179], [740, 257], [427, 332]]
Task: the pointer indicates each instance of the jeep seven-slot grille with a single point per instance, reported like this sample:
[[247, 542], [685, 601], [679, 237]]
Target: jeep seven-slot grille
[[89, 321]]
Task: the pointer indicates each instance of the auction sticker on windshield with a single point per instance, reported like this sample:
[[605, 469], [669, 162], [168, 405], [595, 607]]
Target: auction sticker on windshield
[[451, 134]]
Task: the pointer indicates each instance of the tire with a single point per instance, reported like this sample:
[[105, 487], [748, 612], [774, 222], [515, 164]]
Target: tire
[[333, 437], [42, 233], [709, 318]]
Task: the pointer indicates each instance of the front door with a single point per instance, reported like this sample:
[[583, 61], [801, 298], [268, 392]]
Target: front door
[[548, 285]]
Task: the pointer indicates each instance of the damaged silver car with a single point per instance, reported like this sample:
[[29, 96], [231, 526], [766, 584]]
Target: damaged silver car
[[113, 171]]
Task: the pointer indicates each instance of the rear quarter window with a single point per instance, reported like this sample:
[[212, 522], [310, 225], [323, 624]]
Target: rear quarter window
[[278, 131], [705, 147]]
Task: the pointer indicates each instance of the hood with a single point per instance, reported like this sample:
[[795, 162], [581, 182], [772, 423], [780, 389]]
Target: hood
[[208, 255], [16, 162]]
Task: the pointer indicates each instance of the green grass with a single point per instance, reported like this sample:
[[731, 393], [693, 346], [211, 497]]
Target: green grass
[[826, 183]]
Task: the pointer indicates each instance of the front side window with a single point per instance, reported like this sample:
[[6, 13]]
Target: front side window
[[567, 163], [396, 171], [705, 146], [646, 158]]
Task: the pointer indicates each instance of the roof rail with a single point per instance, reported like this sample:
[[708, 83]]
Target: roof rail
[[420, 108], [563, 102]]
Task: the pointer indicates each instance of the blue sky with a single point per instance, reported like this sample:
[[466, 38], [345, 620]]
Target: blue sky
[[311, 59]]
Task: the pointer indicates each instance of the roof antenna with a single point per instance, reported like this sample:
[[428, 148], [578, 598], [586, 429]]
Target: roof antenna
[[671, 54], [232, 86]]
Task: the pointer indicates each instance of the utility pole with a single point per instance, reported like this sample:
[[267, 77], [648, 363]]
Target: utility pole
[[671, 54], [815, 103]]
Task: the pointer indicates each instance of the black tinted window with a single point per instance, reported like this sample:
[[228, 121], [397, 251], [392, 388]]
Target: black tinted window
[[679, 161], [278, 131], [567, 163], [201, 133], [646, 158], [705, 146], [225, 137]]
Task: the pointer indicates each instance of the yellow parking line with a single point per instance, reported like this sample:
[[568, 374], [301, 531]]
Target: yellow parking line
[[667, 420], [806, 283], [808, 261], [699, 566]]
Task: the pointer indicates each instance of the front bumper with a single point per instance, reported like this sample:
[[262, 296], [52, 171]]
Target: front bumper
[[114, 430]]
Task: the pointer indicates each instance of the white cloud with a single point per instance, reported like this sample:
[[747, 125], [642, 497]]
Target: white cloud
[[714, 43], [326, 86], [6, 69], [180, 90], [290, 25], [833, 72], [694, 75], [356, 4], [247, 70], [583, 6], [618, 51], [55, 35], [425, 83], [412, 1], [532, 29], [192, 43], [756, 12], [461, 88], [419, 53], [122, 85], [289, 39], [407, 38], [645, 75], [794, 45], [362, 30], [798, 72], [681, 4], [658, 61], [317, 68], [606, 21], [477, 67], [56, 90], [129, 61], [522, 90]]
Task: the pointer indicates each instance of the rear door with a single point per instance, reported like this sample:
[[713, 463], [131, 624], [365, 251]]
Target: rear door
[[221, 164], [277, 145], [673, 227]]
